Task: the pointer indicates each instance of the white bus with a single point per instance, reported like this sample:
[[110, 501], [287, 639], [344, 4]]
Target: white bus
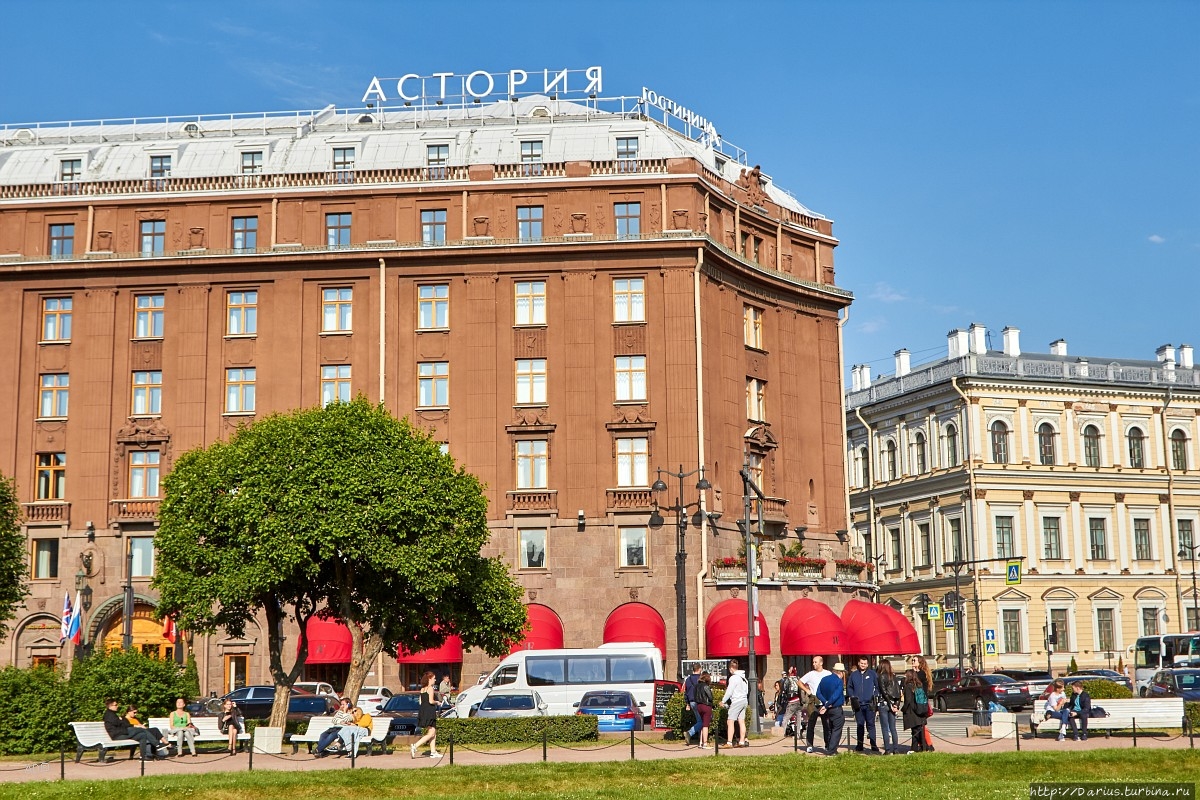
[[562, 676], [1153, 653]]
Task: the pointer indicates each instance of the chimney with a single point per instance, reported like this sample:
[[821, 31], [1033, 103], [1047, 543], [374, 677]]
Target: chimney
[[855, 381], [1185, 357], [1058, 347], [957, 343], [1012, 341], [865, 371], [1082, 366], [902, 363], [978, 338], [1166, 354]]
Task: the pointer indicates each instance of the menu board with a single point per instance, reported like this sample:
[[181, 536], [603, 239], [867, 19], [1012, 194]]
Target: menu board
[[663, 692]]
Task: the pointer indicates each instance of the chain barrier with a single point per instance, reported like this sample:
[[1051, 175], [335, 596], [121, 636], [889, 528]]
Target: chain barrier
[[26, 768], [939, 737], [498, 752], [197, 761], [675, 749], [565, 746]]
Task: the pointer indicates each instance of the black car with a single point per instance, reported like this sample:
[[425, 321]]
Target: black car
[[402, 708], [255, 703], [1104, 674], [1036, 679], [977, 692]]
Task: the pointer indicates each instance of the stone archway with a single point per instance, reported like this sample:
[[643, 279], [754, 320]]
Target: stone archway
[[107, 627], [37, 641]]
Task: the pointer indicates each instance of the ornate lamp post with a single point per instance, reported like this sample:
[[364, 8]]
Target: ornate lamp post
[[681, 521], [880, 562]]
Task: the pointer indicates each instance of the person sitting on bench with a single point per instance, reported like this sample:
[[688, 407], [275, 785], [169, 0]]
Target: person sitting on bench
[[118, 727]]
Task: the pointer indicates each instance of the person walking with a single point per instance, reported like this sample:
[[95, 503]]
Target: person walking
[[231, 723], [689, 695], [1079, 710], [793, 701], [808, 685], [890, 697], [427, 717], [737, 696], [182, 728], [916, 709], [704, 707], [864, 686], [831, 696]]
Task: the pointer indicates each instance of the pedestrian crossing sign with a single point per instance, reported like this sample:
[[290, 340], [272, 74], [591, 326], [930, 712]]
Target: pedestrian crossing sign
[[934, 611], [990, 648], [1013, 578], [948, 620]]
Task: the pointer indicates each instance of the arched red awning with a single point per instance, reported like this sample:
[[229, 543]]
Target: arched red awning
[[869, 630], [636, 622], [810, 628], [545, 630], [329, 642], [451, 652], [910, 642], [726, 634]]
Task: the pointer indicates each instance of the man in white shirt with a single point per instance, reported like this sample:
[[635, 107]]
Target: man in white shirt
[[1056, 707], [808, 685], [737, 695]]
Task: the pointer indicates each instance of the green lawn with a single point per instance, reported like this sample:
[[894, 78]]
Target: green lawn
[[937, 775]]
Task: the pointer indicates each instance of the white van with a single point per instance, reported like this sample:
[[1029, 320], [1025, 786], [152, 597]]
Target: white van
[[562, 676]]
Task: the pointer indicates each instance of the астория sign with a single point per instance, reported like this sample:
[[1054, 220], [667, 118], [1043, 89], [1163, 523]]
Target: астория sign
[[480, 84]]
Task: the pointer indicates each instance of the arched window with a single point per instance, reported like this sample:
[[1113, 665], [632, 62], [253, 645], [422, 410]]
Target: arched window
[[865, 458], [1137, 448], [890, 452], [999, 442], [1045, 433], [1179, 459], [951, 446], [1091, 446], [919, 452]]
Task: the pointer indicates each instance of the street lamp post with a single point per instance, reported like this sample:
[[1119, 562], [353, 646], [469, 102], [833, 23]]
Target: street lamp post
[[127, 622], [1189, 552], [680, 508], [880, 562]]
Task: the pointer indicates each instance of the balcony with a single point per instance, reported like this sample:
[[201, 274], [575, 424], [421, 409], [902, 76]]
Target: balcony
[[731, 572], [526, 500], [143, 509], [775, 510], [47, 512], [629, 500]]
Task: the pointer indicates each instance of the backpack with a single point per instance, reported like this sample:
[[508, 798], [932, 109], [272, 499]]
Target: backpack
[[920, 702], [704, 695], [793, 687]]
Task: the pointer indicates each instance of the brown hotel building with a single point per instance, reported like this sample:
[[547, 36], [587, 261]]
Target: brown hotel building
[[568, 298]]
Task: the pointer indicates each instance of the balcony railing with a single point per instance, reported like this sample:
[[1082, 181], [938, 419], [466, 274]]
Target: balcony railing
[[800, 574], [140, 510], [774, 509], [533, 500], [737, 572], [47, 511], [626, 499]]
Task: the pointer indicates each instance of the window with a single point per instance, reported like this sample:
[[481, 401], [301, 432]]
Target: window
[[865, 460], [868, 546], [1091, 446], [1105, 631], [956, 541], [923, 539], [56, 389], [532, 463], [433, 307], [147, 394], [532, 548], [999, 442], [1060, 627], [1137, 441], [756, 399], [343, 165], [951, 446], [148, 316], [1185, 533], [627, 154], [160, 166], [337, 230], [242, 307], [1193, 617], [252, 162], [633, 547], [531, 303], [1011, 623], [335, 384], [62, 240], [436, 156], [154, 236], [336, 309], [889, 454], [1141, 540], [896, 558], [141, 548], [1045, 435], [633, 462], [56, 319], [629, 300], [245, 233], [433, 384], [1150, 615], [45, 559], [628, 217], [752, 333], [433, 226], [1097, 540], [51, 476], [531, 158], [1005, 547], [919, 453], [531, 381], [630, 378], [239, 390], [143, 473], [70, 170], [1179, 459], [529, 223], [1051, 538], [754, 465]]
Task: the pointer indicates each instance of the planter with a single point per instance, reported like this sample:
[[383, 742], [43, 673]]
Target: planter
[[849, 575]]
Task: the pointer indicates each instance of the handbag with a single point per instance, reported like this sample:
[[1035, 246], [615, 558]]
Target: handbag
[[854, 704]]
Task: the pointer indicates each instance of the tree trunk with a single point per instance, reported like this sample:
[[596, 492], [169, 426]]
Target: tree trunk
[[283, 679], [366, 651]]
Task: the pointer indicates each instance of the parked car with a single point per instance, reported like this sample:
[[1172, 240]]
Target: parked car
[[976, 692], [319, 688], [1177, 682], [947, 676], [511, 703], [255, 703], [402, 709], [1036, 679], [1067, 681], [1105, 674], [617, 711], [371, 699]]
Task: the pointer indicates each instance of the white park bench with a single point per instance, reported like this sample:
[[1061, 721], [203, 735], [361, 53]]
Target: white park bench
[[1148, 713], [92, 736], [312, 735], [207, 729], [380, 726]]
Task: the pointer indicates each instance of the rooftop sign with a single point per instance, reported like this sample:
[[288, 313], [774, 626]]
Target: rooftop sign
[[652, 99], [477, 85]]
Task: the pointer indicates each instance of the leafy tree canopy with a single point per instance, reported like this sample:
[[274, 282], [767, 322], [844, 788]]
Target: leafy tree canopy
[[13, 569]]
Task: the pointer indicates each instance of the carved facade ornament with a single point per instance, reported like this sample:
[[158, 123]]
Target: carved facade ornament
[[633, 593], [533, 594], [196, 238], [502, 224], [601, 220], [1022, 402], [556, 220], [530, 417], [654, 217], [733, 592], [980, 494], [755, 185], [481, 226], [1027, 494], [1119, 497], [1164, 498], [632, 415], [934, 502], [760, 437], [1074, 496], [140, 434]]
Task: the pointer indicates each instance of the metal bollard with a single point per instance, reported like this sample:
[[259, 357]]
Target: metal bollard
[[452, 750], [353, 750], [1135, 731], [1191, 735], [716, 745], [143, 751], [796, 735], [545, 737], [62, 764], [251, 755], [632, 757], [1017, 732]]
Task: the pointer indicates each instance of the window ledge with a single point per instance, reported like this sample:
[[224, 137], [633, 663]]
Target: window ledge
[[145, 416], [533, 570], [50, 419], [145, 338], [643, 570], [758, 350], [641, 402], [68, 341], [238, 413], [45, 580], [445, 329], [335, 333], [229, 336], [432, 408], [622, 322], [528, 325], [531, 405]]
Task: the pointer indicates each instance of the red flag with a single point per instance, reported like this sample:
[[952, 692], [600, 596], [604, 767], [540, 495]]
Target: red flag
[[169, 633]]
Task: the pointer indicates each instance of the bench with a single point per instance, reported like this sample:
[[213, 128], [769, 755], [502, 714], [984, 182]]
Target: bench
[[92, 736], [380, 726], [207, 729], [312, 734], [1160, 712]]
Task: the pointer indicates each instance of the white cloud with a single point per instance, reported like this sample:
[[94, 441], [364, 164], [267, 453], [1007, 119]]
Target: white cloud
[[1156, 239], [884, 293], [872, 325]]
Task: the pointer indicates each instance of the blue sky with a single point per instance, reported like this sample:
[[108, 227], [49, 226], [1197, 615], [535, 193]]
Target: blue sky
[[1012, 163]]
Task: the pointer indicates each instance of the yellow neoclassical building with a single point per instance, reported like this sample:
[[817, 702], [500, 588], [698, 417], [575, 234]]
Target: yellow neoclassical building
[[1084, 469]]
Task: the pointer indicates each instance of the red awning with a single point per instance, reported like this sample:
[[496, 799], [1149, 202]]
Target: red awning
[[810, 628], [545, 630], [329, 642], [726, 631], [869, 630], [451, 652], [636, 622], [910, 642]]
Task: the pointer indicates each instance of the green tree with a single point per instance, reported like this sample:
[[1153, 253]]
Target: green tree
[[13, 569], [340, 511]]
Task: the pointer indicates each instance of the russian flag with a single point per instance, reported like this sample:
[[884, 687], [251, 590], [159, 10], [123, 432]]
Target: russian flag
[[65, 632], [76, 618]]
